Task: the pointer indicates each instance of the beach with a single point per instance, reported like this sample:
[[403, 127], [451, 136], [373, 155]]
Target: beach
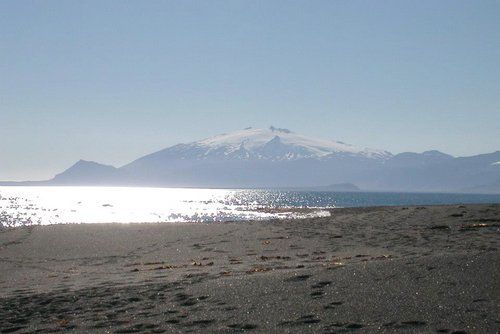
[[407, 269]]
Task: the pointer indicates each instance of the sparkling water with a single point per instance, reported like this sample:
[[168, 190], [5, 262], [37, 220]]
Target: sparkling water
[[56, 205]]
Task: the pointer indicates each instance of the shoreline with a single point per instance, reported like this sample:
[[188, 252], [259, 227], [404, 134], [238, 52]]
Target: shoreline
[[291, 209], [388, 269]]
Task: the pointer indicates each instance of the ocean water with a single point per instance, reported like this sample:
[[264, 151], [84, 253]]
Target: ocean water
[[58, 205]]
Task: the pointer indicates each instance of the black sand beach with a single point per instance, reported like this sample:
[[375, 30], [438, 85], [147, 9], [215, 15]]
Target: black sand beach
[[433, 269]]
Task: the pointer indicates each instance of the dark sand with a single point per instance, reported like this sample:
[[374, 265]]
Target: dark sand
[[411, 270]]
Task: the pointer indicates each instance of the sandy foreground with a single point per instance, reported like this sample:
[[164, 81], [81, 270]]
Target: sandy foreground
[[397, 269]]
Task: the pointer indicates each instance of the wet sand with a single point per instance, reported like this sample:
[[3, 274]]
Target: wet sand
[[433, 269]]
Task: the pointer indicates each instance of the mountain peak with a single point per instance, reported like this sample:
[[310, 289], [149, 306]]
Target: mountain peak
[[276, 139], [273, 129], [82, 162], [292, 145]]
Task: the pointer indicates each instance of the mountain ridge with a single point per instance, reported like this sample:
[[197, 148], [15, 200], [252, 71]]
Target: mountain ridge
[[280, 158]]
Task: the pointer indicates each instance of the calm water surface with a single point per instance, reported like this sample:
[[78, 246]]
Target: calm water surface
[[56, 205]]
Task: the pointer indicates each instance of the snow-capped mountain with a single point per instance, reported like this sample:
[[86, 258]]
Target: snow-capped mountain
[[265, 144], [279, 144]]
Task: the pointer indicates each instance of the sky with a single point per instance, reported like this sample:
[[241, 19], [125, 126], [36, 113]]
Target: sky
[[110, 81]]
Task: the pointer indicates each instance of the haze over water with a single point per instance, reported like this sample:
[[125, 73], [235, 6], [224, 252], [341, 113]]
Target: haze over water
[[56, 205]]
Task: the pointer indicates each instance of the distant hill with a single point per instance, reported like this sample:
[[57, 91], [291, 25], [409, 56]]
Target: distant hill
[[280, 158], [88, 172]]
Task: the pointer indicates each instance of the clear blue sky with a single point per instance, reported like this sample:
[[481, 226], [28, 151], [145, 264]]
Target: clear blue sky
[[112, 80]]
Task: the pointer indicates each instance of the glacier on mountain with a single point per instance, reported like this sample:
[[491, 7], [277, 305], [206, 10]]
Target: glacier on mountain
[[270, 144]]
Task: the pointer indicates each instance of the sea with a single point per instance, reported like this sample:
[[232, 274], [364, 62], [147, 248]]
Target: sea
[[22, 206]]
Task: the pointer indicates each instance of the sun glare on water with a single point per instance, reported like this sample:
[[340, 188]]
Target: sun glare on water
[[56, 205]]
